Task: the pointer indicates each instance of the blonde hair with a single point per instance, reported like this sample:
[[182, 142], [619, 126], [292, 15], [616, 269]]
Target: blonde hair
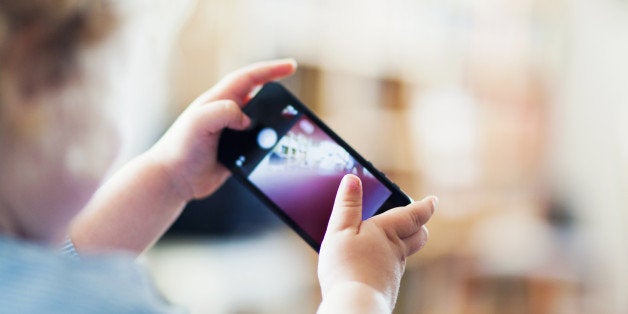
[[40, 40]]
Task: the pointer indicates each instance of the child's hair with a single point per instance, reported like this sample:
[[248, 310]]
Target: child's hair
[[40, 40]]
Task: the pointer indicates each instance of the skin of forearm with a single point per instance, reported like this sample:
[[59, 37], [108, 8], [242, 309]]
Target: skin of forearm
[[130, 211]]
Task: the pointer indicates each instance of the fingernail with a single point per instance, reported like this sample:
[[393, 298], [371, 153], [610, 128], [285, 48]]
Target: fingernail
[[435, 201], [246, 121], [293, 61], [424, 238], [351, 182]]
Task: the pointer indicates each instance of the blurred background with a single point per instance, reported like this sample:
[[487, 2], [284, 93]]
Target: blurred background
[[513, 112]]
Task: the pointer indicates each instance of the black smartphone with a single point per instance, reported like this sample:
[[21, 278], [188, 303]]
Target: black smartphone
[[294, 163]]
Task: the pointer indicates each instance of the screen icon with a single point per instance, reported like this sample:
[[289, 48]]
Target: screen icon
[[267, 138], [289, 112], [240, 161]]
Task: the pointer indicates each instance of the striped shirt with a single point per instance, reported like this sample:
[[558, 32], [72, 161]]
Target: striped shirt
[[37, 279]]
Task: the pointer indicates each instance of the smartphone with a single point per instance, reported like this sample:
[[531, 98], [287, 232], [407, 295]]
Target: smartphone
[[294, 163]]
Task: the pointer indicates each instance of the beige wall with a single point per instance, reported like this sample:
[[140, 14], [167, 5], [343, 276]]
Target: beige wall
[[502, 108]]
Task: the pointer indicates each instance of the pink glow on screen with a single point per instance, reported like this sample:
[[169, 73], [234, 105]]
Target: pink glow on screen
[[302, 173]]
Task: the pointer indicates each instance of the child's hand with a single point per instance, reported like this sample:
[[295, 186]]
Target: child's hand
[[361, 262], [180, 167], [187, 152]]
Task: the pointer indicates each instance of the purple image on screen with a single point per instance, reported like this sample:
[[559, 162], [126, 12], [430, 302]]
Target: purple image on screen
[[302, 174]]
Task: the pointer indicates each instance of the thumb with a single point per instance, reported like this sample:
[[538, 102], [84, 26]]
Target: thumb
[[347, 211]]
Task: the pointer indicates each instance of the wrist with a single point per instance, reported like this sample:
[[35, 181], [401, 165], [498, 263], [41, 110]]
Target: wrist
[[355, 297], [175, 185]]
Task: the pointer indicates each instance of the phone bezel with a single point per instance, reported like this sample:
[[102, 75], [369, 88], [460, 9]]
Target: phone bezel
[[231, 146]]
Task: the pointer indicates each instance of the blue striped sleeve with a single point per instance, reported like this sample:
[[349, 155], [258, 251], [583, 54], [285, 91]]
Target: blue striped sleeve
[[68, 249]]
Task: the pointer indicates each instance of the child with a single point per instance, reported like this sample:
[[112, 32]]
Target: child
[[55, 146]]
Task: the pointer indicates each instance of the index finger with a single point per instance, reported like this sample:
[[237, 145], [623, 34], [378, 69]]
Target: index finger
[[406, 221], [238, 85]]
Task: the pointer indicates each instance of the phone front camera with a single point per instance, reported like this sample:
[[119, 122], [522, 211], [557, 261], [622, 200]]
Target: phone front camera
[[266, 138]]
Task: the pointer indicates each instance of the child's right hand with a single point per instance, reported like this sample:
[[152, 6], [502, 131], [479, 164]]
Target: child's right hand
[[361, 262]]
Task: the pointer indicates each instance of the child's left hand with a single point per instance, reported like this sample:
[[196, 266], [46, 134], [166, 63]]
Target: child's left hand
[[188, 150]]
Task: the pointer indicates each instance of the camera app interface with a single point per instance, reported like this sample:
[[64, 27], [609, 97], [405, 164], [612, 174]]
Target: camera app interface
[[302, 172]]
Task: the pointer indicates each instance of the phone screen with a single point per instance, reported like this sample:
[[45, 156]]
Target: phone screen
[[302, 172], [294, 163]]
